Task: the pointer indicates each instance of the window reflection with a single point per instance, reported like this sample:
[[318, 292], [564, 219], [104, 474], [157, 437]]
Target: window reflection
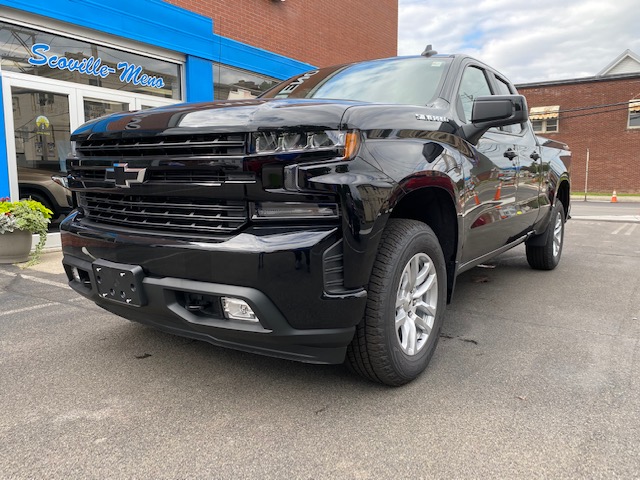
[[95, 108], [232, 83], [42, 129]]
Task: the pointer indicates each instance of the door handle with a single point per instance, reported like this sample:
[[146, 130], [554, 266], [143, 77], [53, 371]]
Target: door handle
[[535, 156], [510, 154]]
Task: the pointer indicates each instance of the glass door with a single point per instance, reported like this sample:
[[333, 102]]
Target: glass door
[[97, 107], [42, 128], [41, 131], [95, 104]]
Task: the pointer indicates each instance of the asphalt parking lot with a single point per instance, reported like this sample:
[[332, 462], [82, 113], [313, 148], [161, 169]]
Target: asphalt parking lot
[[537, 375]]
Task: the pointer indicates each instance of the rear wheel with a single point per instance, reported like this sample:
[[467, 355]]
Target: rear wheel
[[546, 256], [406, 299]]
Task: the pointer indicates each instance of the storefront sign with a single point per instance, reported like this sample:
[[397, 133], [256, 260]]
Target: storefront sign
[[129, 72]]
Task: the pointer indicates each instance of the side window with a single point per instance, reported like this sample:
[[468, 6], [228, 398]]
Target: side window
[[502, 88], [474, 84], [634, 113]]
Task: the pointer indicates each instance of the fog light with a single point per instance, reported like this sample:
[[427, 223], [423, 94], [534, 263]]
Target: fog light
[[236, 309], [76, 274], [294, 210]]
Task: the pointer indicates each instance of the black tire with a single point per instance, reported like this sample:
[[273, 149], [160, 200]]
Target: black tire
[[376, 351], [541, 252]]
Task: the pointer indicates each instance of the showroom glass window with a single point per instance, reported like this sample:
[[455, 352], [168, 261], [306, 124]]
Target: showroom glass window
[[232, 83], [136, 73]]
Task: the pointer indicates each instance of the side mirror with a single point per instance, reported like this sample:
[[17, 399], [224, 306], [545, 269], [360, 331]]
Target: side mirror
[[495, 111]]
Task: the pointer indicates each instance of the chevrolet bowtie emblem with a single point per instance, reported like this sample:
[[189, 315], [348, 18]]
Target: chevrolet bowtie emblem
[[123, 176]]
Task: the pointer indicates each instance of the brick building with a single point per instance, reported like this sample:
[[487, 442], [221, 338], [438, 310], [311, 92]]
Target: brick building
[[599, 114], [320, 32]]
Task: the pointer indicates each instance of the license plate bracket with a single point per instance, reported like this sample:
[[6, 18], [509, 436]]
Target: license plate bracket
[[120, 282]]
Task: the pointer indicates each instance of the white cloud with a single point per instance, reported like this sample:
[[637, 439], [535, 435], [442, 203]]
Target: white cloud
[[526, 40]]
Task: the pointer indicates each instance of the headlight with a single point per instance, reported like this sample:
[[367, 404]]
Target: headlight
[[63, 181], [345, 143]]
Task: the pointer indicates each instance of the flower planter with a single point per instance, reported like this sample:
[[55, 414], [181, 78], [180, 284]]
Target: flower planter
[[15, 246]]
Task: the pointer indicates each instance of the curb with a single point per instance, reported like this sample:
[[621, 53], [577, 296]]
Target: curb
[[604, 199], [608, 218]]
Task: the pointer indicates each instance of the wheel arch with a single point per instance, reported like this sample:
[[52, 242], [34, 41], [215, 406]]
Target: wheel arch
[[27, 189], [564, 195], [434, 205]]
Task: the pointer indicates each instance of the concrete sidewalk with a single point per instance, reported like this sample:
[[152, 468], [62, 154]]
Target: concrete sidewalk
[[50, 262]]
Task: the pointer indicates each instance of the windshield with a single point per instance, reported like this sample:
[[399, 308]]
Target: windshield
[[411, 81]]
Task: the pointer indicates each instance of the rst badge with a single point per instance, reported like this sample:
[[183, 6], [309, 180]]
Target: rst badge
[[123, 176]]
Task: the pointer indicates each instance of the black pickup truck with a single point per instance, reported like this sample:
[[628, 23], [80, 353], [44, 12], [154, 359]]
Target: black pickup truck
[[325, 221]]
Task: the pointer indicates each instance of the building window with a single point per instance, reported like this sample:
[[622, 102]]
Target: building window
[[634, 113], [29, 51], [232, 83], [544, 119]]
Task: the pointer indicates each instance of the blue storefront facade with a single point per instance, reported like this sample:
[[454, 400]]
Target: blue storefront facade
[[64, 62]]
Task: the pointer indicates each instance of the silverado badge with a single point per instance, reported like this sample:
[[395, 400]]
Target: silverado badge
[[431, 118]]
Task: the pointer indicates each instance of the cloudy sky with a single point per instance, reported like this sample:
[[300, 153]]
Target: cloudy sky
[[526, 40]]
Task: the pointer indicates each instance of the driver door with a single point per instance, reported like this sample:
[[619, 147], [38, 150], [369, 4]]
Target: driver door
[[490, 209]]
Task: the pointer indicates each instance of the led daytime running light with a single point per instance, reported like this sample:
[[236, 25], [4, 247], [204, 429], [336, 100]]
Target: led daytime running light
[[299, 142]]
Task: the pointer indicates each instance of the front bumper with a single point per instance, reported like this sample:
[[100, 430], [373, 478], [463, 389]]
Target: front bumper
[[281, 276]]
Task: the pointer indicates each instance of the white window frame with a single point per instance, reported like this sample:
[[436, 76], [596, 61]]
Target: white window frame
[[634, 107], [543, 115]]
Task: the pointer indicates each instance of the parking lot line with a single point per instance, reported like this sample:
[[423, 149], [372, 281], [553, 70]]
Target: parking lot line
[[630, 231], [35, 279], [26, 309], [619, 229]]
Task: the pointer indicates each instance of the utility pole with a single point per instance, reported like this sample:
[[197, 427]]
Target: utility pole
[[586, 177]]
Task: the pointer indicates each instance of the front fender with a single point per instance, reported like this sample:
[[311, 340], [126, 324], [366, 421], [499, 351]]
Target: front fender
[[367, 205]]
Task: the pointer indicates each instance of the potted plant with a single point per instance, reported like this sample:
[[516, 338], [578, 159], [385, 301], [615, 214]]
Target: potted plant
[[18, 221]]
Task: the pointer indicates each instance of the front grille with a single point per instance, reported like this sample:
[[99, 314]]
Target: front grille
[[173, 215], [186, 175], [165, 145]]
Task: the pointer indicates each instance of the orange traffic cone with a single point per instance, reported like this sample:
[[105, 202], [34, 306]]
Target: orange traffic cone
[[498, 192], [614, 197], [476, 198]]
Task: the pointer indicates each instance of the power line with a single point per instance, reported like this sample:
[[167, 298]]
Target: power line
[[594, 107], [563, 117]]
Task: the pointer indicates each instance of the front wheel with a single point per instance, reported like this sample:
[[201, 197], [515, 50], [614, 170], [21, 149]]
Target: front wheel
[[545, 255], [406, 299]]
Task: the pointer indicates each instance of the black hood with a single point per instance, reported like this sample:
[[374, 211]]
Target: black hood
[[218, 117]]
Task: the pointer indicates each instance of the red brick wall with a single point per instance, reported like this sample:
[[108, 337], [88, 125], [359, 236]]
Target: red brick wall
[[320, 32], [614, 150]]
